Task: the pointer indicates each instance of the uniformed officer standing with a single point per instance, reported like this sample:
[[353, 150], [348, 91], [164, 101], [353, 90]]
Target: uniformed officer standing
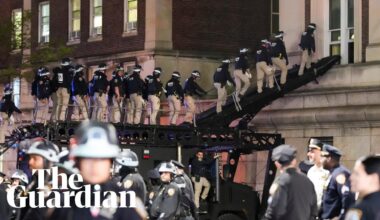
[[337, 197], [242, 74], [263, 66], [80, 91], [7, 106], [292, 193], [116, 94], [279, 55], [18, 178], [62, 83], [130, 177], [365, 180], [135, 87], [166, 204], [154, 89], [100, 84], [191, 88], [43, 94], [174, 93], [222, 77], [153, 187], [317, 175], [307, 45]]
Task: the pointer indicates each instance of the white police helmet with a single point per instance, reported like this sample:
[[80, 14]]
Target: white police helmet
[[196, 73], [96, 140], [167, 167], [128, 158], [244, 50], [19, 174], [45, 149]]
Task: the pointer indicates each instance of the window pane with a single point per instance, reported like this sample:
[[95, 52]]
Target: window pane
[[45, 30], [352, 36], [334, 49], [335, 35], [275, 6], [98, 21], [334, 14], [76, 15], [350, 13], [76, 25], [45, 10], [132, 17], [351, 52], [275, 23], [98, 11], [97, 3], [17, 28], [76, 5]]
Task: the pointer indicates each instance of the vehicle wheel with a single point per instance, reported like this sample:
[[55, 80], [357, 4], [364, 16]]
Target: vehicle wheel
[[229, 216]]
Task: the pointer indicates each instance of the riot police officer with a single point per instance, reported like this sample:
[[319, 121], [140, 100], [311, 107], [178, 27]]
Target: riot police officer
[[292, 193], [337, 197], [174, 93], [166, 204], [365, 180], [241, 74], [130, 178], [279, 55], [100, 87], [116, 94], [80, 91], [307, 45], [154, 89], [135, 87], [7, 106], [263, 66], [43, 93], [191, 89], [153, 186], [97, 147], [221, 77], [18, 178]]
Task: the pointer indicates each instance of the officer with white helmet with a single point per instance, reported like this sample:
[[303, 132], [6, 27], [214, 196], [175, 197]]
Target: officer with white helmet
[[166, 204], [242, 74], [191, 88], [19, 178], [131, 180]]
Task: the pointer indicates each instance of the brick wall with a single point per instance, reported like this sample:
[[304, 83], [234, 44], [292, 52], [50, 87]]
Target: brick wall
[[365, 28], [219, 25]]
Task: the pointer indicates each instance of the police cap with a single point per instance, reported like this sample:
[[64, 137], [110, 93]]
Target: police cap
[[65, 61], [329, 150], [178, 164], [312, 26], [137, 68], [284, 154], [2, 174], [315, 144], [102, 67], [176, 74], [157, 71]]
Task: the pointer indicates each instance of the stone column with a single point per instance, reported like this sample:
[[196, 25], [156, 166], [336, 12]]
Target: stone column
[[373, 48]]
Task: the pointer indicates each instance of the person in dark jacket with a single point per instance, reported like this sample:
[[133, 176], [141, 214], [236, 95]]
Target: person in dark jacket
[[242, 74], [135, 87], [153, 91], [222, 77], [263, 66], [174, 93], [116, 94], [44, 88], [7, 106], [100, 87], [292, 195], [279, 55], [79, 90], [191, 89], [307, 45]]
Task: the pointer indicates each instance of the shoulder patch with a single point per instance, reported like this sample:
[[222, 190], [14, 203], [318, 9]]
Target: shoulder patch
[[259, 51], [171, 191], [354, 214], [237, 59], [273, 188], [341, 179], [151, 195], [304, 33], [128, 184], [219, 69]]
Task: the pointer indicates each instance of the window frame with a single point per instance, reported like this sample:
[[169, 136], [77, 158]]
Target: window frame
[[14, 34], [94, 35], [71, 21], [40, 23], [126, 28], [271, 16]]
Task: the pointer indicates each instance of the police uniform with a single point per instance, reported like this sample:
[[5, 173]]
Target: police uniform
[[241, 74], [62, 85], [100, 84], [43, 93], [307, 45], [153, 90], [7, 107], [135, 183], [80, 91], [292, 195], [190, 89], [279, 56], [263, 66], [337, 197], [166, 204], [366, 209], [127, 114], [174, 93], [153, 187], [221, 78], [135, 87], [116, 95]]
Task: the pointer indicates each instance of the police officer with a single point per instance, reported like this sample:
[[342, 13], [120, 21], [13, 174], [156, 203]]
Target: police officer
[[100, 86], [18, 178], [187, 203], [174, 93], [279, 55], [242, 74], [365, 180], [2, 177], [166, 204], [44, 89], [7, 106], [263, 66], [154, 89], [317, 174], [337, 197], [62, 82], [97, 147], [116, 94], [307, 45], [130, 178], [292, 193], [135, 87], [222, 77], [191, 88], [80, 91], [153, 186]]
